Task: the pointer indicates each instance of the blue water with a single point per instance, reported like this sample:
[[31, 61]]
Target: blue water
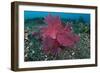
[[35, 14]]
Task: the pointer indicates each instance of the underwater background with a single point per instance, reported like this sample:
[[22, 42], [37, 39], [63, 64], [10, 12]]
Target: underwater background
[[33, 48], [35, 14]]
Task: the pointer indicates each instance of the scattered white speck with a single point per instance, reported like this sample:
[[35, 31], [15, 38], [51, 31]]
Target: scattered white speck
[[79, 34], [30, 44], [26, 55], [45, 55], [33, 51], [27, 48], [40, 48], [73, 53]]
